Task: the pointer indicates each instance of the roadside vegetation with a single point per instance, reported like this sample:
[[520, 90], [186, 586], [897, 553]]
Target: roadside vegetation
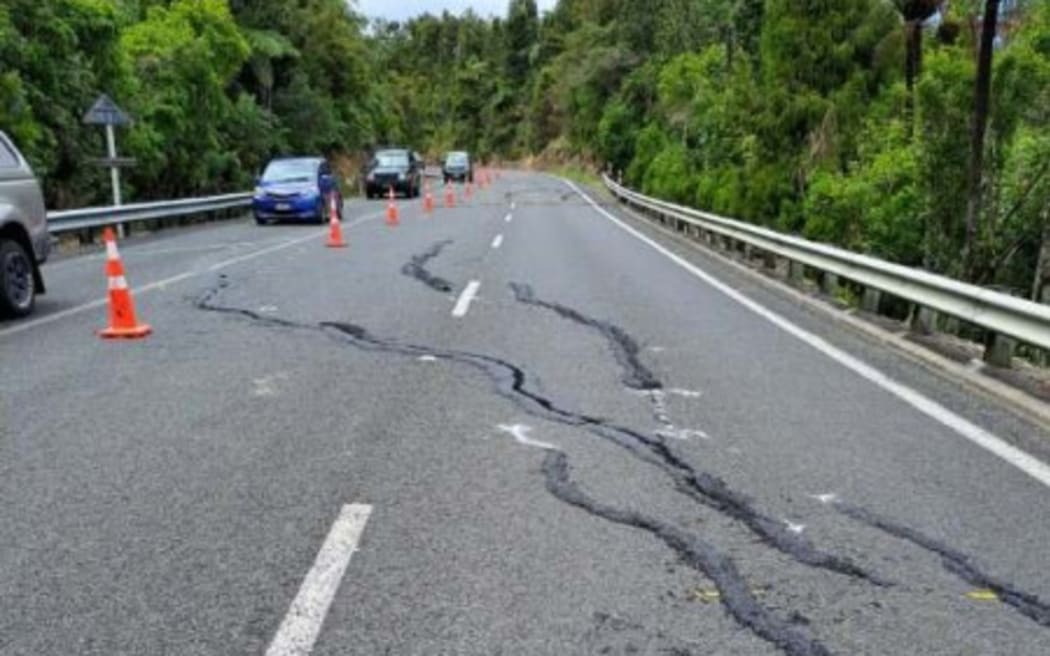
[[915, 130]]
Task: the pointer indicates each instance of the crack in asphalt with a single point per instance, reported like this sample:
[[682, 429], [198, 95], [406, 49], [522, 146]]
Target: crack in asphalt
[[511, 382], [735, 594], [709, 490], [416, 268], [955, 562], [625, 349]]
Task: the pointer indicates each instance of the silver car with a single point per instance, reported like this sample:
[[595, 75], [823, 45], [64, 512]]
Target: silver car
[[24, 240]]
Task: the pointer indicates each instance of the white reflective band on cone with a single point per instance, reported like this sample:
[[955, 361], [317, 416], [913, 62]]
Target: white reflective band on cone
[[118, 282], [111, 251]]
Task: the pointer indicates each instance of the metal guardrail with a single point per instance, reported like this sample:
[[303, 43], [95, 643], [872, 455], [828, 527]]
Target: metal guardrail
[[1000, 314], [98, 217]]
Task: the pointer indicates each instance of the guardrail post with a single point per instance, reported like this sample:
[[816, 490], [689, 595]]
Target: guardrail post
[[796, 272], [871, 300], [923, 320], [829, 284], [999, 350]]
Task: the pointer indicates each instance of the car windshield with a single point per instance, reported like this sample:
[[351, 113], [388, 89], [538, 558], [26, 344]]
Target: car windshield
[[456, 159], [290, 170], [392, 158]]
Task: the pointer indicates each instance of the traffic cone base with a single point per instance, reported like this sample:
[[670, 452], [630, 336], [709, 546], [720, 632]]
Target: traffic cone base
[[138, 332]]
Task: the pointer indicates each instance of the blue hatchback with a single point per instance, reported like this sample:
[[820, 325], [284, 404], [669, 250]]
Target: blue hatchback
[[295, 188]]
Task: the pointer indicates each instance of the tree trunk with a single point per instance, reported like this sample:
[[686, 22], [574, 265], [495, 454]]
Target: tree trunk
[[913, 55], [1041, 285], [978, 128]]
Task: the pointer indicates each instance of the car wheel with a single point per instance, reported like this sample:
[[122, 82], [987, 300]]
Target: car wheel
[[261, 221], [17, 287], [322, 213]]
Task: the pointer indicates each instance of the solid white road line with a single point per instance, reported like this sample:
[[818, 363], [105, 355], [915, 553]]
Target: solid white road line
[[22, 326], [1030, 465], [498, 241], [463, 304], [302, 624]]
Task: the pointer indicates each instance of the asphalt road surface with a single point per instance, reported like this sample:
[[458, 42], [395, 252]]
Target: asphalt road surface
[[527, 425]]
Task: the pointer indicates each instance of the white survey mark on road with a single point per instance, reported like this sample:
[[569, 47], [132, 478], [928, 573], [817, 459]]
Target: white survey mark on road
[[794, 528], [508, 218], [465, 299], [498, 241], [520, 432], [826, 498], [302, 624], [685, 393], [1027, 463], [161, 284], [427, 358]]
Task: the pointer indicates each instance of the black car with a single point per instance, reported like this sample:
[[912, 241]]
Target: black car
[[458, 167], [397, 168]]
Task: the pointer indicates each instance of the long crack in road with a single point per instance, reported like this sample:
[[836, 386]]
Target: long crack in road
[[511, 382]]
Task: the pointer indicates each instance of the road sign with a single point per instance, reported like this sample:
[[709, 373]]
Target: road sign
[[106, 112]]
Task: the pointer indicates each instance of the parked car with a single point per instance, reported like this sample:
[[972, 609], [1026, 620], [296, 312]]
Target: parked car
[[458, 167], [399, 169], [24, 240], [296, 188]]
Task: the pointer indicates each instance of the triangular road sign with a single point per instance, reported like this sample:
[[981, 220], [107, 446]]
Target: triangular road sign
[[106, 112]]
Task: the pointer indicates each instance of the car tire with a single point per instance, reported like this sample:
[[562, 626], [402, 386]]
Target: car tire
[[261, 221], [322, 213], [17, 285]]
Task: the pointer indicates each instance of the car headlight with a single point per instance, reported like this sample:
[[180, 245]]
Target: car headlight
[[259, 192], [400, 176], [371, 177]]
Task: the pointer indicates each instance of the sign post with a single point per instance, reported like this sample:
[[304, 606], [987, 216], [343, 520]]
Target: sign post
[[106, 113]]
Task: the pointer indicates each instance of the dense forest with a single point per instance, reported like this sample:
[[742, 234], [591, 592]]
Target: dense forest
[[916, 130]]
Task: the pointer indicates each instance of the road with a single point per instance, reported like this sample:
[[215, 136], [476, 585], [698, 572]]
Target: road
[[520, 426]]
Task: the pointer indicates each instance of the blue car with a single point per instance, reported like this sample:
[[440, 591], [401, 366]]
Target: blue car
[[297, 189]]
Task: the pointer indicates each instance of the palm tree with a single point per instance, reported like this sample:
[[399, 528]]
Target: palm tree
[[915, 13]]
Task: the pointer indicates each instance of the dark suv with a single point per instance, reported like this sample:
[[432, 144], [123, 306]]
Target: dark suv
[[458, 167], [399, 169], [24, 239]]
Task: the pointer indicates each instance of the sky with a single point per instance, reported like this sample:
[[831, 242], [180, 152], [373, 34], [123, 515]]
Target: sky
[[399, 10]]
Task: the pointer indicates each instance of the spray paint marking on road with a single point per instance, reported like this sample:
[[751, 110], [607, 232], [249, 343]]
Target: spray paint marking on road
[[302, 624], [1027, 463], [463, 304], [498, 241]]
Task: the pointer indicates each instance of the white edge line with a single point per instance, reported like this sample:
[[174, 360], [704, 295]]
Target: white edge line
[[1027, 463], [23, 326], [498, 241], [302, 624], [463, 303]]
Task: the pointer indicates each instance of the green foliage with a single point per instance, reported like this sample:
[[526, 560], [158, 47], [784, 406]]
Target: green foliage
[[835, 120]]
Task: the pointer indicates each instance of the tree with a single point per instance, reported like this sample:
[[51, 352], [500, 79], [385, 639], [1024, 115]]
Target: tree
[[978, 127], [915, 13]]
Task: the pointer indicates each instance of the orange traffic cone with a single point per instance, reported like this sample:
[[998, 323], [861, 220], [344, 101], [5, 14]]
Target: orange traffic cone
[[481, 179], [122, 322], [468, 191], [428, 199], [391, 210], [450, 196], [335, 227]]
